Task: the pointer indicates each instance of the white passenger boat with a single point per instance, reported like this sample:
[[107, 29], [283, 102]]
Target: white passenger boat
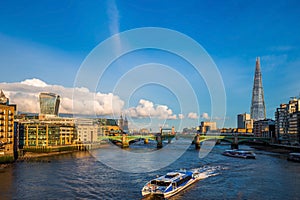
[[172, 183], [239, 154]]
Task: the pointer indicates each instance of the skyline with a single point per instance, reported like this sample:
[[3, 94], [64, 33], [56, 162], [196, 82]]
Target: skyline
[[40, 40]]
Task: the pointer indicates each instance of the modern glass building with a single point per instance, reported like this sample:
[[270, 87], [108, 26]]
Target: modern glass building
[[49, 103]]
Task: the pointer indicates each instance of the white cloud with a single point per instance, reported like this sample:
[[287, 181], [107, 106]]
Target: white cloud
[[205, 116], [80, 101], [147, 108], [34, 82], [193, 115], [180, 116], [25, 95]]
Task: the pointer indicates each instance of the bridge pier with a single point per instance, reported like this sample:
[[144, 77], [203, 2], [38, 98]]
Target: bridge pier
[[159, 140], [125, 143], [169, 139], [235, 143], [234, 146], [146, 141], [197, 141]]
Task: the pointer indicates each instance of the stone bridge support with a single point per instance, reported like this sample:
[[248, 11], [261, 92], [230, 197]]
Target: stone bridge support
[[146, 141], [159, 140], [197, 141], [125, 143], [235, 143]]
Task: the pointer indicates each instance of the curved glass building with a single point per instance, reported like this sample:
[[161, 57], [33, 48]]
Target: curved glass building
[[49, 103]]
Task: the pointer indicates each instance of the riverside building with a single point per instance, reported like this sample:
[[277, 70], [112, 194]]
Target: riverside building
[[47, 133], [244, 121], [48, 130], [207, 127], [287, 121], [88, 130], [7, 112]]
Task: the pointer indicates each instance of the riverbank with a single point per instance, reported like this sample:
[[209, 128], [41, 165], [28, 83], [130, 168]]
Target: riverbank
[[41, 154], [2, 166], [35, 156]]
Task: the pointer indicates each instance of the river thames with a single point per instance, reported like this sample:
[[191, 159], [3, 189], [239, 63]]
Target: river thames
[[79, 175]]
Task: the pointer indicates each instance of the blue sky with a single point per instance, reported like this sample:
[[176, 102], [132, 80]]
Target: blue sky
[[49, 40]]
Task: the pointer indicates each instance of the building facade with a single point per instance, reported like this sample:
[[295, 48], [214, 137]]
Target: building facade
[[7, 130], [109, 127], [287, 126], [37, 133], [244, 121], [258, 108], [88, 130], [207, 127], [264, 128], [8, 137]]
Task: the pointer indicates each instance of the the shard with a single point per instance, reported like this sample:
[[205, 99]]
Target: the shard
[[258, 108]]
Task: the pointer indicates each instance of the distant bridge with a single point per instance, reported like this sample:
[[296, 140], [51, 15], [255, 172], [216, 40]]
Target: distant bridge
[[124, 139], [235, 140]]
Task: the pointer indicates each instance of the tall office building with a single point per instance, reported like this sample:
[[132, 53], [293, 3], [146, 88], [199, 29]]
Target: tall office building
[[49, 104], [244, 121], [258, 108]]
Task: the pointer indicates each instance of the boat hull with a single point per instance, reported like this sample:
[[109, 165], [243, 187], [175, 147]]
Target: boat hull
[[239, 154], [295, 157]]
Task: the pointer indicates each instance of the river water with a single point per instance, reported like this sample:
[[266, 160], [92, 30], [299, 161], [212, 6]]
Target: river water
[[81, 176]]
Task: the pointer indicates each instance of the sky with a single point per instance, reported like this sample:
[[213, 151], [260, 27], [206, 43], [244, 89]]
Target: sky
[[45, 44]]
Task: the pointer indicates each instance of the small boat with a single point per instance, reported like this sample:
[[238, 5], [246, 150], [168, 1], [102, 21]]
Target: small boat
[[239, 154], [294, 157], [171, 183]]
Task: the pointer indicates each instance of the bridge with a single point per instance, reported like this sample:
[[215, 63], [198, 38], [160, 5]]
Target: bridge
[[124, 140], [235, 140]]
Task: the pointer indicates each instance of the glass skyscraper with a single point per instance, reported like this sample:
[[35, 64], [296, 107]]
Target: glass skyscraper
[[49, 103], [258, 108]]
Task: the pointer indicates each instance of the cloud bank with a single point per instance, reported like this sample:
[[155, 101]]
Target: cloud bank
[[26, 95]]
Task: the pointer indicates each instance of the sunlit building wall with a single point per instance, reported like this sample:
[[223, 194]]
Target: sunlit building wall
[[207, 126], [88, 130], [47, 133], [7, 113], [6, 130], [264, 128], [287, 126], [244, 121]]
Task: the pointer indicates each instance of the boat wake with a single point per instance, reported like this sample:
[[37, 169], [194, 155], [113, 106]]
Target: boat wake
[[208, 171]]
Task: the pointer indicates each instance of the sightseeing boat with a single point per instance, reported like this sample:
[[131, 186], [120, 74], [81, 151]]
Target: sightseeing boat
[[294, 157], [239, 154], [171, 183]]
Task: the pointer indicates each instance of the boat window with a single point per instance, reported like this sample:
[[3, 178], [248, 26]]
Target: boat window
[[185, 179], [170, 175], [160, 183]]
